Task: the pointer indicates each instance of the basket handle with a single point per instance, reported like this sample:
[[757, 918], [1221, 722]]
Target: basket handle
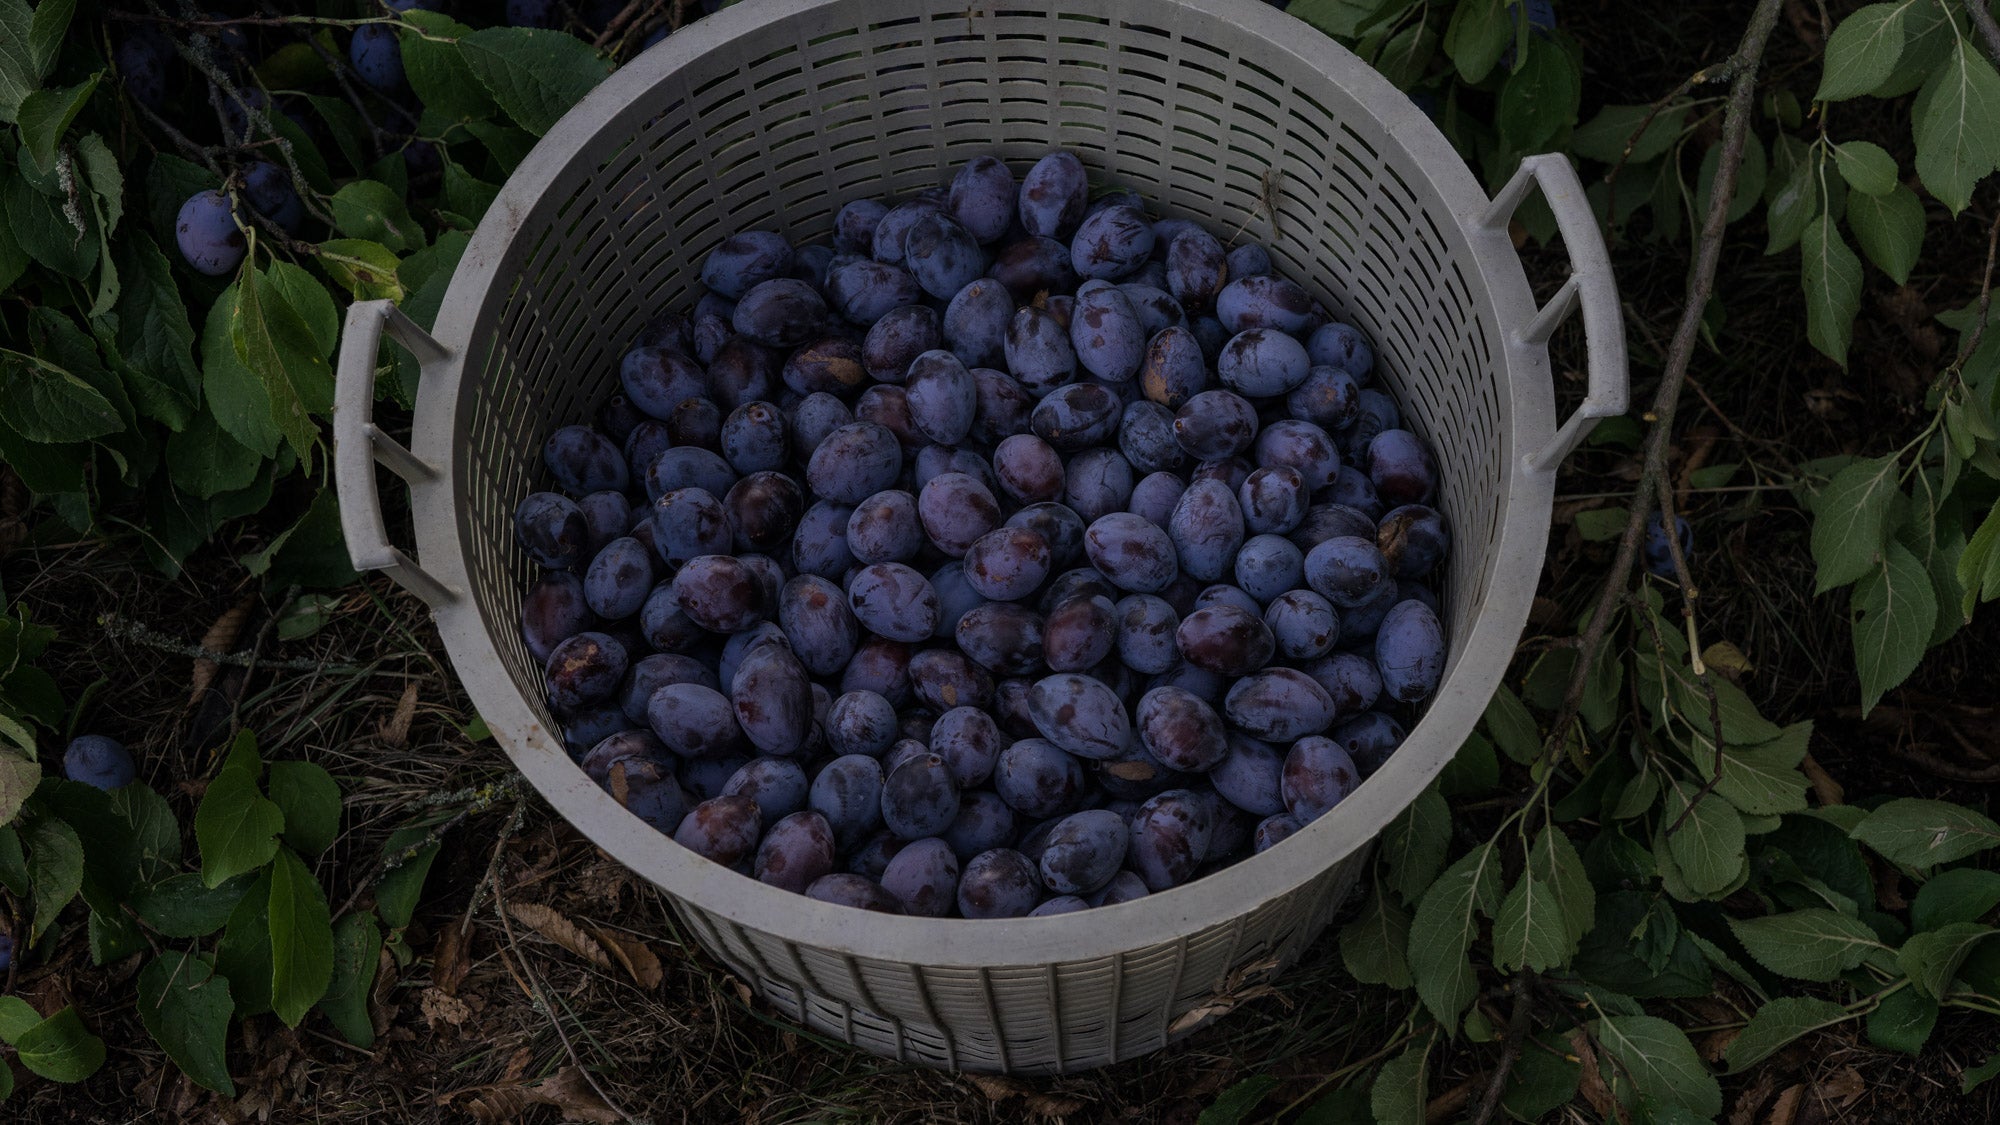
[[358, 443], [1590, 287]]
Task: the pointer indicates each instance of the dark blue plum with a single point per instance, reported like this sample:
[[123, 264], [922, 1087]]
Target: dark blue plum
[[207, 234], [1262, 363], [1216, 424], [608, 515], [1410, 652], [1348, 570], [1077, 417], [1001, 883], [847, 791], [919, 797], [982, 198], [378, 58], [1250, 776], [847, 888], [819, 543], [1106, 333], [1280, 704], [893, 229], [1351, 487], [778, 785], [1145, 627], [923, 876], [745, 260], [854, 225], [865, 291], [583, 460], [1180, 729], [854, 463], [943, 399], [860, 722], [724, 829], [1264, 301], [821, 629], [975, 323], [1369, 739], [1303, 624], [1173, 370], [893, 601], [1084, 850], [1132, 552], [1053, 196], [721, 594], [98, 761], [885, 528], [1033, 267], [943, 256], [1037, 778], [552, 529], [659, 379], [1097, 483], [1207, 530], [688, 522], [584, 669], [1249, 260], [1274, 830], [1318, 774], [1330, 398], [1659, 550], [1401, 468], [1111, 243], [554, 610], [1225, 639], [1414, 541], [830, 364], [1334, 344], [271, 194], [1169, 838], [619, 579], [956, 509], [1038, 351], [1197, 268], [797, 850]]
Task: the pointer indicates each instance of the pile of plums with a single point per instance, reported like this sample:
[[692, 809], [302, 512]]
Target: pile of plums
[[1011, 553]]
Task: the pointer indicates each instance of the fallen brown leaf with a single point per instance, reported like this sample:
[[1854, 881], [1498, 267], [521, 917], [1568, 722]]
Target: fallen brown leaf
[[449, 960], [1786, 1108], [999, 1088], [552, 925], [1824, 786], [635, 955], [1591, 1081], [1753, 1097], [221, 637], [567, 1090], [1840, 1089], [382, 998], [442, 1007], [396, 731]]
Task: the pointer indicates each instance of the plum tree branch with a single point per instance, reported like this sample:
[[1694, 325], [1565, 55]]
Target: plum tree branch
[[1743, 66], [1989, 31]]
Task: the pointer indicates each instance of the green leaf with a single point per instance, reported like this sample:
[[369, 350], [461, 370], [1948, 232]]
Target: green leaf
[[301, 939], [64, 241], [1850, 517], [1402, 1086], [1544, 1078], [1974, 1075], [1446, 922], [183, 907], [1552, 859], [235, 394], [306, 615], [1962, 894], [1479, 33], [1931, 959], [1414, 844], [271, 339], [55, 868], [1512, 727], [1603, 137], [1794, 206], [367, 269], [535, 75], [112, 935], [45, 33], [368, 210], [1596, 525], [1867, 167], [1708, 847], [1539, 100], [19, 774], [1957, 121], [1895, 611], [154, 335], [1923, 833], [311, 552], [45, 115], [309, 298], [47, 403], [1655, 1061], [1345, 19], [357, 948], [106, 180], [1236, 1103], [60, 1048], [465, 193], [310, 802], [1760, 780], [401, 886], [1475, 768], [236, 827], [1903, 1021], [1530, 931], [148, 846], [1816, 944], [205, 461], [1776, 1024], [1750, 177], [1832, 278], [1406, 57], [1862, 51], [1890, 229], [1372, 946], [185, 1007], [16, 1017], [244, 953], [438, 72]]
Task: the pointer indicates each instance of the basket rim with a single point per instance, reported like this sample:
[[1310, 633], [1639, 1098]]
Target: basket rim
[[1472, 673]]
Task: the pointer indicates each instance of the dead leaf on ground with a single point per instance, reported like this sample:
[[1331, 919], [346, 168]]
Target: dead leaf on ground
[[999, 1088], [449, 958], [1590, 1082], [442, 1007], [1786, 1109], [1753, 1097], [1840, 1089], [517, 1065], [1726, 658], [1829, 791], [567, 1090], [635, 955], [221, 637], [545, 920], [382, 998], [396, 731]]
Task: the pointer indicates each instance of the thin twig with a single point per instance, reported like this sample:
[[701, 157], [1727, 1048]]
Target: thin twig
[[1985, 294], [119, 628], [1989, 31], [1510, 1048], [1708, 252]]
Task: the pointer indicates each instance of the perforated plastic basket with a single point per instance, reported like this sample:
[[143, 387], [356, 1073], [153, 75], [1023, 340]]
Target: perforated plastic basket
[[773, 114]]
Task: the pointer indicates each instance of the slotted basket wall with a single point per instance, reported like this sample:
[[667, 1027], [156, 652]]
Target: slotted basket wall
[[774, 113]]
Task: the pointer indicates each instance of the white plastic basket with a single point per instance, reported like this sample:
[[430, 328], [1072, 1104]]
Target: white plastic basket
[[774, 113]]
